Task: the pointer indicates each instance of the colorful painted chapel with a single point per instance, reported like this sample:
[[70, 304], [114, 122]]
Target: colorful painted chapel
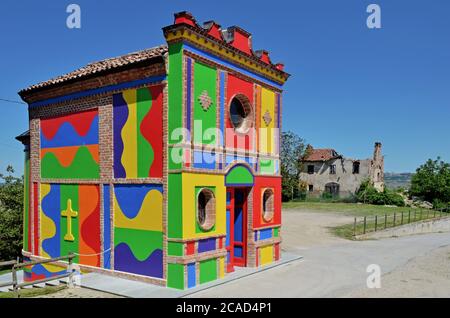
[[160, 165]]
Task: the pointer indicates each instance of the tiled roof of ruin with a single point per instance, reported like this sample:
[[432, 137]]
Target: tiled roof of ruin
[[321, 155], [102, 66]]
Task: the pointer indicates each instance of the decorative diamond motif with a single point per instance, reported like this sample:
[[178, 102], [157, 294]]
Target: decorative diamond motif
[[267, 118], [205, 100]]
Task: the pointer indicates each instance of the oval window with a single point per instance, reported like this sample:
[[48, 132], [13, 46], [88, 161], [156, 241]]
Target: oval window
[[241, 114], [206, 209], [268, 205]]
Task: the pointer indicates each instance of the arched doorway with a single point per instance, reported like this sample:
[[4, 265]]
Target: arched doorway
[[239, 181], [332, 188]]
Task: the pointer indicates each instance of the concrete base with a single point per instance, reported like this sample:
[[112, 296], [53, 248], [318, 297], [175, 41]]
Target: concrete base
[[134, 289]]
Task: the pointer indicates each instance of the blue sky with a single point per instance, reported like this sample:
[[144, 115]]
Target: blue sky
[[350, 86]]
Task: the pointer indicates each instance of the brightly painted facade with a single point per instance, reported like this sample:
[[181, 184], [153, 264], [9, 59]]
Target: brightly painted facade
[[164, 169]]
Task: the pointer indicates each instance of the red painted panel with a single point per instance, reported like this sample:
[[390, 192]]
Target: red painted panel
[[152, 130], [30, 216], [80, 121], [237, 86], [260, 184], [277, 252], [190, 248], [36, 218], [241, 41], [89, 219]]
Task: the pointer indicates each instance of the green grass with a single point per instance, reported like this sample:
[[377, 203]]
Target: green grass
[[34, 292], [4, 271]]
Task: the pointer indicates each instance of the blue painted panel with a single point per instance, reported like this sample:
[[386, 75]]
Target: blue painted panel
[[227, 241], [204, 160], [238, 224], [191, 275], [228, 257], [228, 198], [265, 234], [238, 251], [188, 95]]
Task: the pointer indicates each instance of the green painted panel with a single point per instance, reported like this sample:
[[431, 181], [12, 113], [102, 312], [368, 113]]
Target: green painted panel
[[70, 191], [208, 270], [175, 87], [145, 153], [267, 166], [83, 166], [174, 206], [175, 248], [175, 157], [198, 229], [175, 276], [239, 175], [276, 232], [134, 238], [26, 201], [205, 82]]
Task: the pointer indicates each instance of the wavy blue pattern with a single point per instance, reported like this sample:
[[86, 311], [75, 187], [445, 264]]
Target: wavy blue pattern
[[67, 136], [51, 208], [130, 197]]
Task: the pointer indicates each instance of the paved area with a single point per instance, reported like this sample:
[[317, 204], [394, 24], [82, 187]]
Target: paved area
[[411, 266], [128, 288], [333, 267]]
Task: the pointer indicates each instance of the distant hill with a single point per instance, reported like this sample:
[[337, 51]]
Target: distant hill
[[394, 180]]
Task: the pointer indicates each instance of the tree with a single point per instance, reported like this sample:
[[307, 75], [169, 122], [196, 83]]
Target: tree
[[292, 149], [11, 205], [431, 182]]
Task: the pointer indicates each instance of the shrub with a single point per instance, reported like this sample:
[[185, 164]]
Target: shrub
[[368, 194]]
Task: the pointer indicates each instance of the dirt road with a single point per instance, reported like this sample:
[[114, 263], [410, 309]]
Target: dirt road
[[334, 267]]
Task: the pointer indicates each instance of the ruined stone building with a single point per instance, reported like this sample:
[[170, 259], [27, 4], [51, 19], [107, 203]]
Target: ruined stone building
[[325, 170]]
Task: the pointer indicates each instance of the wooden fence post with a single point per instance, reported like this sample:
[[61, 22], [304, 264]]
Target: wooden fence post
[[71, 271], [354, 228], [402, 219], [409, 216], [385, 220], [394, 218], [376, 222], [15, 282], [364, 230]]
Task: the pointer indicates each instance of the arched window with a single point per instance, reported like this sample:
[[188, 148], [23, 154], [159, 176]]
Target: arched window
[[206, 209], [241, 114], [268, 205]]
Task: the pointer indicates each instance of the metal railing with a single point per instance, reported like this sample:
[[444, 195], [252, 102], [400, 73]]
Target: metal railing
[[16, 266], [376, 223]]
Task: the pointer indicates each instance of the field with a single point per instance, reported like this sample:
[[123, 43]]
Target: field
[[377, 217]]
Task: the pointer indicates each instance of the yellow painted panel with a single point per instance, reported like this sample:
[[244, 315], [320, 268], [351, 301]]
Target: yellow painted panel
[[48, 227], [267, 138], [190, 181], [129, 135], [221, 267], [149, 216], [266, 254]]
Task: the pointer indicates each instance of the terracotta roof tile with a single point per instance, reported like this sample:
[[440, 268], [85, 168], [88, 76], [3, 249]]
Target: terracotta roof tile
[[321, 155], [103, 65]]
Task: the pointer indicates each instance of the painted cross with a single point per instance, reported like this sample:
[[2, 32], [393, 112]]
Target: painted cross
[[69, 213], [205, 100], [267, 118]]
